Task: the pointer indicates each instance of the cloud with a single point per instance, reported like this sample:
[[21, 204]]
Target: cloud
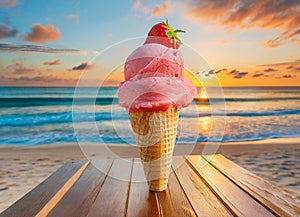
[[281, 64], [258, 75], [288, 76], [285, 37], [74, 17], [5, 32], [220, 70], [237, 74], [18, 48], [270, 70], [8, 3], [280, 68], [207, 10], [109, 35], [232, 73], [160, 10], [153, 11], [296, 40], [83, 66], [52, 80], [55, 62], [220, 41], [241, 74], [44, 80], [19, 69], [137, 5], [206, 73], [40, 34], [281, 15]]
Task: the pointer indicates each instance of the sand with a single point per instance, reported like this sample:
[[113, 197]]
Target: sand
[[21, 169]]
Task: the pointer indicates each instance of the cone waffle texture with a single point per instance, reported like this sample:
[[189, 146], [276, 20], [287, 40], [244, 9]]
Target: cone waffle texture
[[155, 134]]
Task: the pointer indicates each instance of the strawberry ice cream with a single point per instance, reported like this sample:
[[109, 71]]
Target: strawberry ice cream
[[154, 80], [153, 93]]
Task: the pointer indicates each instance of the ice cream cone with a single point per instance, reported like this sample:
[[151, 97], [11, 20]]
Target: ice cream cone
[[155, 134]]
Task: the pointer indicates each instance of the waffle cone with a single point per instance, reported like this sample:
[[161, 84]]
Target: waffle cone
[[155, 134]]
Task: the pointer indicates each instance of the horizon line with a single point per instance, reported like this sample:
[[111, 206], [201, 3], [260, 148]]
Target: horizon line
[[118, 86]]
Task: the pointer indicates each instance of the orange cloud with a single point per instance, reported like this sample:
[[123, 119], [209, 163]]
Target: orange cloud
[[19, 69], [283, 65], [220, 70], [258, 75], [40, 34], [39, 80], [285, 37], [74, 17], [158, 11], [285, 76], [55, 62], [21, 48], [5, 32], [137, 4], [8, 3], [270, 70], [237, 74], [234, 73], [109, 35], [83, 66], [155, 11], [207, 10], [255, 14]]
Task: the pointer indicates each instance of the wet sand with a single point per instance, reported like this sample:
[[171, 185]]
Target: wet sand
[[21, 169]]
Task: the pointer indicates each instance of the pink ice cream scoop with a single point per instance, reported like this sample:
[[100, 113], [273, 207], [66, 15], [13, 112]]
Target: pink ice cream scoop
[[154, 80]]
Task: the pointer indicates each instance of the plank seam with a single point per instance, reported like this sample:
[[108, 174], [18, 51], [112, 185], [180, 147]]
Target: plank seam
[[237, 183], [160, 212], [128, 191], [62, 192], [101, 184], [184, 191], [211, 188]]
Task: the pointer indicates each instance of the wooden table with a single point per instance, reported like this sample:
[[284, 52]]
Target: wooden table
[[208, 185]]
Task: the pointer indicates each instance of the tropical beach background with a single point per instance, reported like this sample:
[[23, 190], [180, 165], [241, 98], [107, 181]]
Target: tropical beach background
[[251, 48]]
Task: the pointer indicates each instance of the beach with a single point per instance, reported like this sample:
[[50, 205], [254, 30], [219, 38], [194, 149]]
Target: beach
[[21, 169], [41, 127]]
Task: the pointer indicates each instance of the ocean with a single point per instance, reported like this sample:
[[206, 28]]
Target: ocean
[[45, 115]]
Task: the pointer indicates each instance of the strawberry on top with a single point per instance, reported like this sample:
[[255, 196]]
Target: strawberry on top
[[163, 33]]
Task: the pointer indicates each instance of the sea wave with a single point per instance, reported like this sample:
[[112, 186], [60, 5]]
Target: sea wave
[[244, 113], [55, 101], [68, 116], [29, 139], [57, 118], [214, 100], [6, 102]]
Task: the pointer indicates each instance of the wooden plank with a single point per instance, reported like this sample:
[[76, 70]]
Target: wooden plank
[[235, 199], [141, 201], [202, 199], [271, 197], [62, 192], [112, 198], [35, 200], [173, 201], [81, 196]]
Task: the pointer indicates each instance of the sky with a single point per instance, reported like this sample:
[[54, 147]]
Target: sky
[[68, 43]]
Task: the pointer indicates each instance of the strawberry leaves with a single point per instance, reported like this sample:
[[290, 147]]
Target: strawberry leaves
[[172, 34]]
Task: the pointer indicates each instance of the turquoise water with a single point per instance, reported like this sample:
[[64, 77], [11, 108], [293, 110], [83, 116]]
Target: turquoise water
[[33, 116]]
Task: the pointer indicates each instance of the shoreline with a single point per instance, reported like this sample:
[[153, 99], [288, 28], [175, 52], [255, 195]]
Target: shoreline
[[73, 151], [22, 168]]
